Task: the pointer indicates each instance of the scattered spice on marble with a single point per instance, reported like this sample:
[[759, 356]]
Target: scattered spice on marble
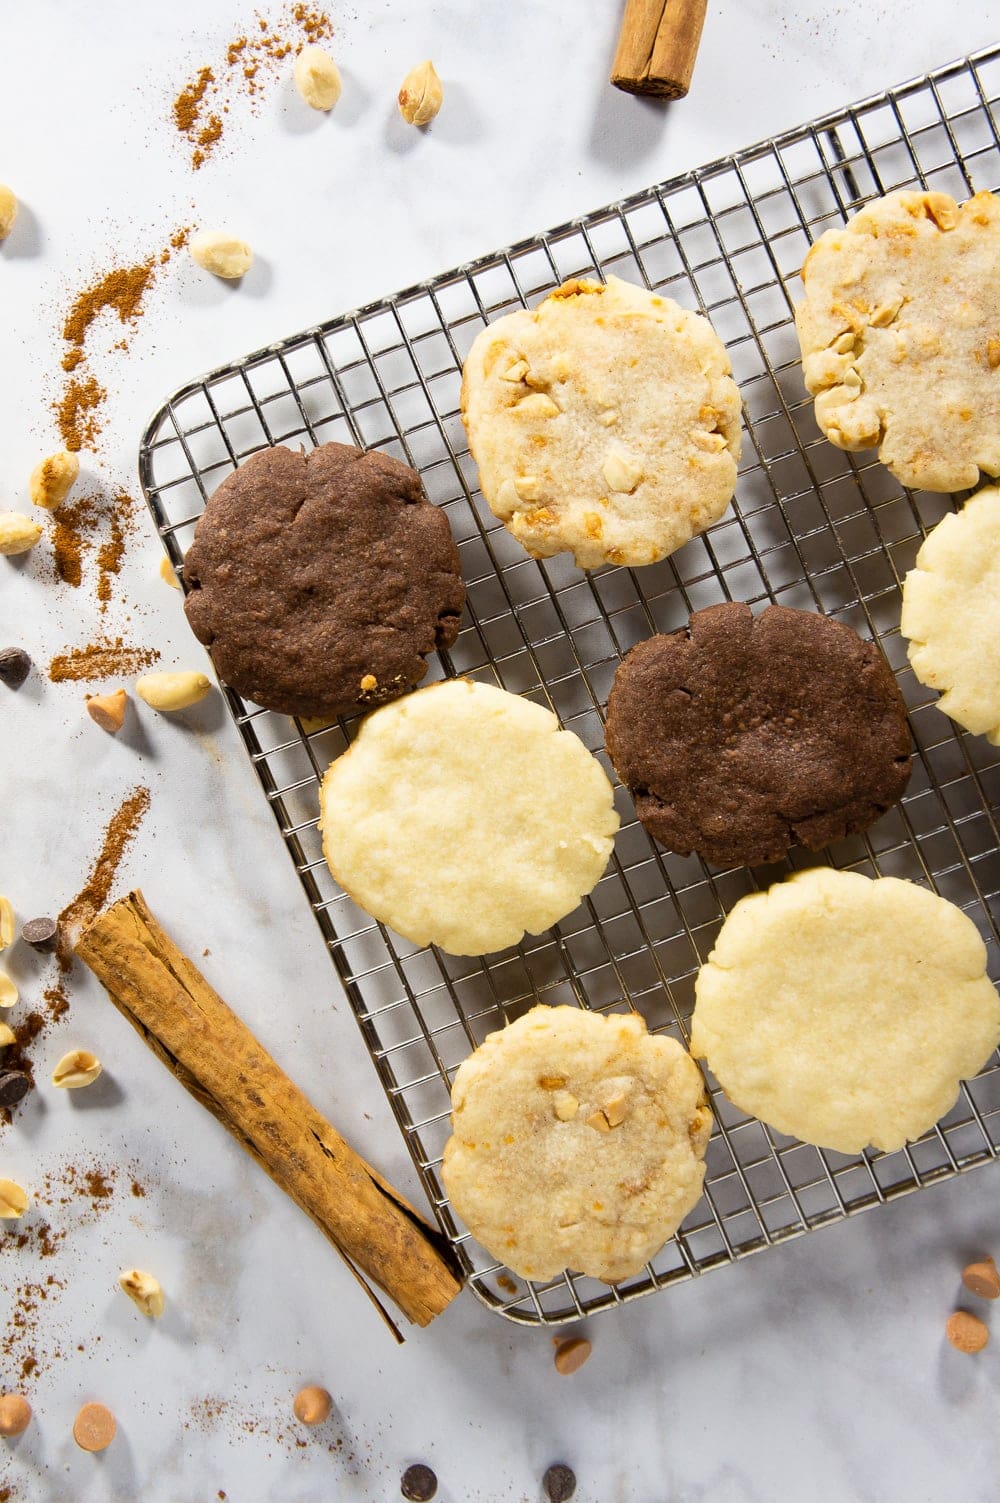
[[137, 1190], [118, 291], [108, 657], [97, 520], [77, 410], [119, 834], [249, 62]]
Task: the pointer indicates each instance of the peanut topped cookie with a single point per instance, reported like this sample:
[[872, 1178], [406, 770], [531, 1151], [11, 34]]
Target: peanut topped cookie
[[578, 1141], [844, 1010], [744, 735], [605, 423], [320, 582], [951, 614], [900, 336], [462, 816]]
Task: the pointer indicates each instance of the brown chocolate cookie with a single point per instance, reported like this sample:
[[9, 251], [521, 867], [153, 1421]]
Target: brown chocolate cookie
[[320, 582], [742, 736]]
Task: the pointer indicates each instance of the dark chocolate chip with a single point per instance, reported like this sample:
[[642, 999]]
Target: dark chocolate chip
[[41, 934], [418, 1483], [559, 1483], [14, 1086], [14, 666]]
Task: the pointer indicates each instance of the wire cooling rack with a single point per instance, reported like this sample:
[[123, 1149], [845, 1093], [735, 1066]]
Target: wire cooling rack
[[810, 527]]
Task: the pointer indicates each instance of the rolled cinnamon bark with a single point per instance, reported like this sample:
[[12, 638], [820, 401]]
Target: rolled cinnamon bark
[[216, 1057], [657, 46]]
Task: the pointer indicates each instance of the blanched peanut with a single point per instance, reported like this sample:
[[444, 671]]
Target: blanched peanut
[[53, 479], [13, 1201], [145, 1292], [76, 1069], [18, 533], [8, 210], [172, 691], [421, 94], [222, 254], [7, 927], [317, 78]]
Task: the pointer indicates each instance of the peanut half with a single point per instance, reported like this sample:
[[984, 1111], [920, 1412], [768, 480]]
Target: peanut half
[[8, 991], [18, 533], [76, 1069], [8, 210], [7, 925], [172, 691], [167, 573], [317, 78], [53, 479], [13, 1201], [421, 94], [145, 1292], [222, 254]]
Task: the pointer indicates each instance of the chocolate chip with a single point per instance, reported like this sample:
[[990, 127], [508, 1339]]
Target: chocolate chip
[[14, 666], [559, 1483], [418, 1483], [14, 1086], [41, 934]]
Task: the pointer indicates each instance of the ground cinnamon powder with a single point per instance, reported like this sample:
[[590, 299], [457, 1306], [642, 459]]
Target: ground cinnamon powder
[[121, 831], [106, 658], [76, 412], [73, 528], [121, 291], [248, 62]]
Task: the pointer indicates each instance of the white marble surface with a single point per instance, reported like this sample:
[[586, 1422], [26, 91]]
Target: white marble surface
[[817, 1371]]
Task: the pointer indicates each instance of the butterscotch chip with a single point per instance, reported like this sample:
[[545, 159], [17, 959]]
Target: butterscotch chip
[[966, 1332], [108, 710], [94, 1427], [605, 423], [312, 1405], [571, 1354], [15, 1414], [897, 331], [982, 1278]]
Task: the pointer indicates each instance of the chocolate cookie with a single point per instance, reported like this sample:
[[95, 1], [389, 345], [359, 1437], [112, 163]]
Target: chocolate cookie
[[742, 736], [320, 582]]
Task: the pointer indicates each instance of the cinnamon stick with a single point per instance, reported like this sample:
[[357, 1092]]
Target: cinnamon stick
[[216, 1057], [657, 46]]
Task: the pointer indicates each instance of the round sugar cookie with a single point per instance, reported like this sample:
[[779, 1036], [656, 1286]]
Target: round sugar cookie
[[844, 1010], [900, 336], [463, 816], [321, 581], [951, 614], [743, 735], [605, 423], [578, 1141]]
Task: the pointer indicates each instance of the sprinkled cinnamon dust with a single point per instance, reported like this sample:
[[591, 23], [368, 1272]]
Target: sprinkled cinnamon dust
[[249, 61], [119, 291], [74, 525], [106, 658], [121, 831]]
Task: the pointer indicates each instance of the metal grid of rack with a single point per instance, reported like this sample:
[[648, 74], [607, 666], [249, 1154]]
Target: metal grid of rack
[[811, 527]]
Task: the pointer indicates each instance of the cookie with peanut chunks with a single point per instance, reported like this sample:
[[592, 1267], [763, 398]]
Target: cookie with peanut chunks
[[844, 1010], [605, 423], [320, 582], [578, 1141], [900, 336], [463, 816], [951, 614]]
